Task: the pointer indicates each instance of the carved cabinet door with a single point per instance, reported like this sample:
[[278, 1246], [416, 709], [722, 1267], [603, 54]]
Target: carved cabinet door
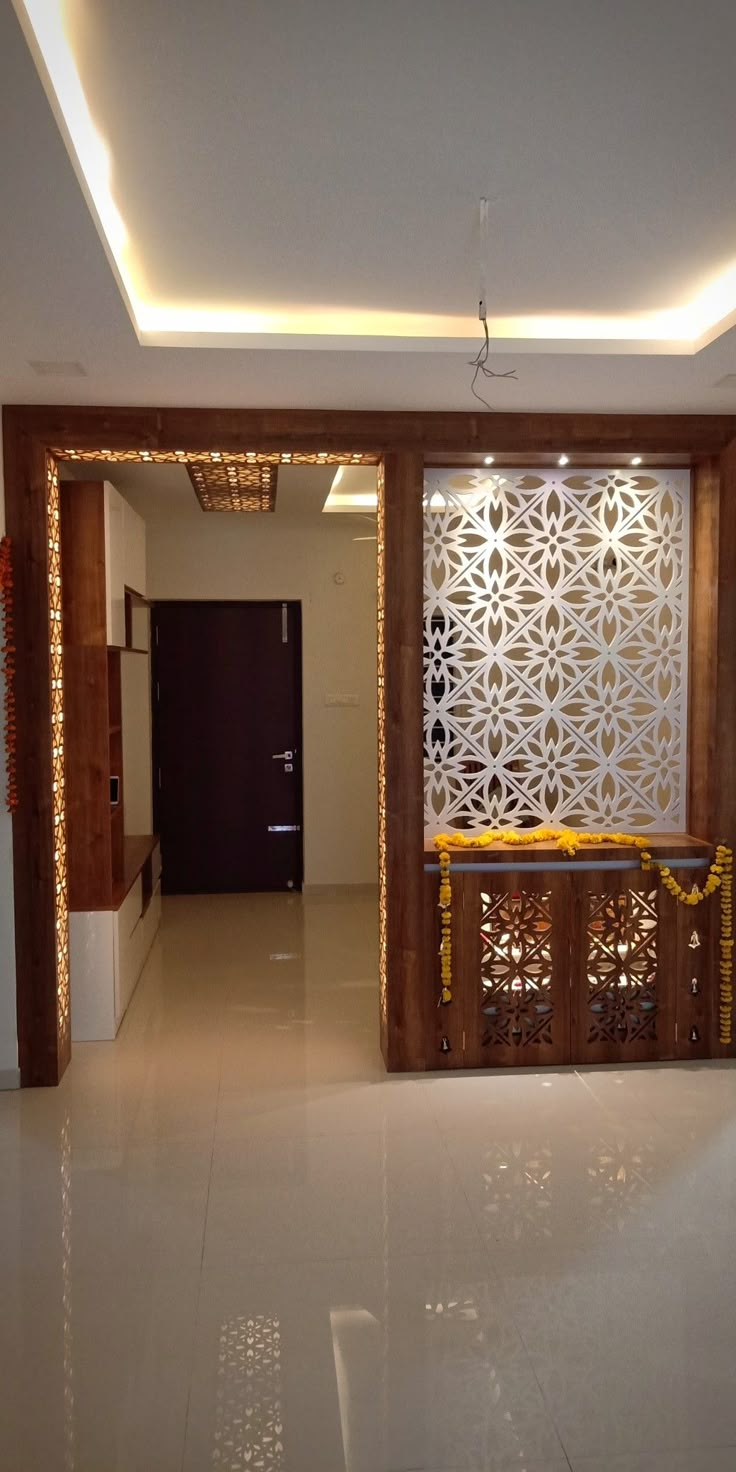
[[514, 966], [623, 968]]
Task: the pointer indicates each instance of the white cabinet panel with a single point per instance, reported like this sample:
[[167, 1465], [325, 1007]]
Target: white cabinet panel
[[134, 550], [91, 970], [107, 952], [114, 566]]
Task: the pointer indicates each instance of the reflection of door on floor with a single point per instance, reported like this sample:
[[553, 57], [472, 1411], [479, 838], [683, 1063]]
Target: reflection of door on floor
[[227, 746]]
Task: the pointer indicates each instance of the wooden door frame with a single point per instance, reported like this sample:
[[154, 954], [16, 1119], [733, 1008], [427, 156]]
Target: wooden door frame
[[156, 603], [36, 436]]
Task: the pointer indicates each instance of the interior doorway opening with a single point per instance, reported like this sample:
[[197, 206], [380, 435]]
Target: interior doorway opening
[[249, 753]]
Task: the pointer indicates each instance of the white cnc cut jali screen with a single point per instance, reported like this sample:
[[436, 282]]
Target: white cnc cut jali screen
[[555, 681]]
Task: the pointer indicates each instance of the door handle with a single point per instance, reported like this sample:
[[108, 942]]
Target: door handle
[[282, 756]]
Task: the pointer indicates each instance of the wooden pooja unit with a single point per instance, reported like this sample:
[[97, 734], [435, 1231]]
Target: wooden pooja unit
[[565, 927], [568, 961]]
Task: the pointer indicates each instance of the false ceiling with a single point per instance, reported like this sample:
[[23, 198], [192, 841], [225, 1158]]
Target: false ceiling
[[301, 183]]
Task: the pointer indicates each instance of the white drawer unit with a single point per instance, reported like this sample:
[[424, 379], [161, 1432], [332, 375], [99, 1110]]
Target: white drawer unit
[[108, 950]]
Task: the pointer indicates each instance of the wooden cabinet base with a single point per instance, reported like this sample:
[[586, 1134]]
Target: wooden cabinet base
[[551, 966]]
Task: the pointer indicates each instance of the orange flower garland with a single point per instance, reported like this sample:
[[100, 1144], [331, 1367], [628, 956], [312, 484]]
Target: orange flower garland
[[8, 669], [446, 919]]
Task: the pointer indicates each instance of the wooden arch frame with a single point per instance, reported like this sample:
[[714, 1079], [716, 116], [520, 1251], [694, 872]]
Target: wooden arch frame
[[401, 442]]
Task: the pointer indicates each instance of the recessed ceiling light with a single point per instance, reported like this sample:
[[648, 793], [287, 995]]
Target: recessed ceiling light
[[488, 459], [564, 460], [636, 459]]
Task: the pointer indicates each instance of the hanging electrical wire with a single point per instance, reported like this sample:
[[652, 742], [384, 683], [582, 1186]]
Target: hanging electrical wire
[[480, 362]]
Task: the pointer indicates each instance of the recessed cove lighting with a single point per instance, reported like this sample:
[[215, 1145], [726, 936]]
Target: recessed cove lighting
[[636, 459], [488, 459], [564, 460]]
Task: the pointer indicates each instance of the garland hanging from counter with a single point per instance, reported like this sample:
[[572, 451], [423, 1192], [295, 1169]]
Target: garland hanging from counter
[[8, 670], [720, 876]]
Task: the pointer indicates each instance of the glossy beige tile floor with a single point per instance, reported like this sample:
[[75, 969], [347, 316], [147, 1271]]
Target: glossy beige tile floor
[[227, 1241]]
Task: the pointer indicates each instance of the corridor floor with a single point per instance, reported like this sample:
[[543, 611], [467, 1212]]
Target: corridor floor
[[227, 1241]]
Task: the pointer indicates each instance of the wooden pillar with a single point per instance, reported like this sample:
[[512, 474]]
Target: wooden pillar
[[40, 913], [401, 759], [724, 752], [702, 785], [712, 714]]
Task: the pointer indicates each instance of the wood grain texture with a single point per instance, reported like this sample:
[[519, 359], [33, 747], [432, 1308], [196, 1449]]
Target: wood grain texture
[[703, 671], [404, 705], [83, 550], [137, 851], [725, 735], [586, 1048], [430, 432], [86, 716], [681, 846], [41, 1056], [725, 743], [488, 1040], [87, 777]]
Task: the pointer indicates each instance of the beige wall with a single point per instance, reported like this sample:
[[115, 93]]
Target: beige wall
[[222, 556]]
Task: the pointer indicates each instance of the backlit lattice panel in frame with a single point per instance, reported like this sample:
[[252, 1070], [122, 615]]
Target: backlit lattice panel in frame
[[234, 487]]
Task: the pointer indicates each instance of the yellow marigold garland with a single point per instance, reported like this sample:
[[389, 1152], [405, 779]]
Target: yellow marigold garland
[[720, 876], [446, 920]]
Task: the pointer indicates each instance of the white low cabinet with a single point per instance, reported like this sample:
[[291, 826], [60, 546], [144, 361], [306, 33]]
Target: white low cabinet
[[107, 952]]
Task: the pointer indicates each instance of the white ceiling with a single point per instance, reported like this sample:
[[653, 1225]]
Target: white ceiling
[[165, 491], [333, 155]]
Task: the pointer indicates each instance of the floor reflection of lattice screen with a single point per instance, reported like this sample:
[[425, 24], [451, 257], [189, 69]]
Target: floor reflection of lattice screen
[[556, 610], [516, 968], [622, 966], [249, 1414]]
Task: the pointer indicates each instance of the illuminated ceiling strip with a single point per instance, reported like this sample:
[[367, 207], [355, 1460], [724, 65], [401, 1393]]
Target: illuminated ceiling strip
[[216, 457], [683, 329]]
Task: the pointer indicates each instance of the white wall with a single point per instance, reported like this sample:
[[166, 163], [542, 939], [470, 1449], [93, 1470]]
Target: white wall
[[221, 556], [8, 1021]]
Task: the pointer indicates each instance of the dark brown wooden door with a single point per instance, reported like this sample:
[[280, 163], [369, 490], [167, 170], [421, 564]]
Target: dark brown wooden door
[[228, 746]]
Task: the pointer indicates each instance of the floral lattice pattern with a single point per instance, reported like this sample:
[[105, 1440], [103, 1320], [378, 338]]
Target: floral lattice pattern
[[622, 966], [555, 649], [516, 968], [249, 1421]]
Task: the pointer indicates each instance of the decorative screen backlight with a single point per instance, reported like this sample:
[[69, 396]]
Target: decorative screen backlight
[[57, 755], [556, 612], [234, 487]]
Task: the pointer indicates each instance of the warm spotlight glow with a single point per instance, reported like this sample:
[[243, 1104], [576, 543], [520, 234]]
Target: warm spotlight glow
[[564, 460], [636, 459], [488, 460]]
